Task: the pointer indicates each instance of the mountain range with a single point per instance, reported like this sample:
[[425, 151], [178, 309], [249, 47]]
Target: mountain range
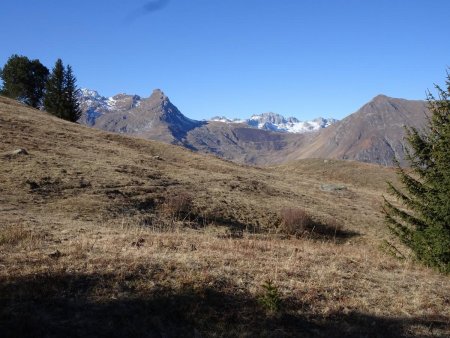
[[95, 105], [276, 122], [372, 134]]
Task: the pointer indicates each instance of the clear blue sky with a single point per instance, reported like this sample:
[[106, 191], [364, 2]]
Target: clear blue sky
[[305, 58]]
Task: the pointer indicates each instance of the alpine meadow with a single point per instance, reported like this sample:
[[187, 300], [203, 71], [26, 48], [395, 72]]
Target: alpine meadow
[[224, 169]]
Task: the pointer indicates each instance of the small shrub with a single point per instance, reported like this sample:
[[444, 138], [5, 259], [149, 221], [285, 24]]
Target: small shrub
[[270, 299], [177, 205], [295, 221]]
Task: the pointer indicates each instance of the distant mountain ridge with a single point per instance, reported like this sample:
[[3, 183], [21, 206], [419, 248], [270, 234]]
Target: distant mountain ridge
[[372, 134], [95, 105], [154, 117], [279, 123]]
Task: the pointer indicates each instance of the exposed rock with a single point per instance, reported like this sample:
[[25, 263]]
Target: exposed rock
[[55, 255], [333, 187], [16, 152]]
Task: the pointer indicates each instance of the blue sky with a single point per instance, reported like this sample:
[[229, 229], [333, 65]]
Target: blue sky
[[303, 58]]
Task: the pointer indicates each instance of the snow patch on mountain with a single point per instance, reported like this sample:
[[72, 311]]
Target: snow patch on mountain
[[226, 120], [279, 123]]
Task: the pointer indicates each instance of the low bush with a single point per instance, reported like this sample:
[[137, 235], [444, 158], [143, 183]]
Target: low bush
[[295, 221], [177, 205]]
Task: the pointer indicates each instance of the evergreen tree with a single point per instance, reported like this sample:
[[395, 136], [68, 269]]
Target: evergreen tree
[[61, 93], [38, 79], [423, 223], [54, 100], [24, 80], [72, 111]]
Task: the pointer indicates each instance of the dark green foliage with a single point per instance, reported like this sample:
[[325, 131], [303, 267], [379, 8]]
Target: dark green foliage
[[54, 96], [61, 93], [24, 80], [424, 222], [270, 300], [72, 111]]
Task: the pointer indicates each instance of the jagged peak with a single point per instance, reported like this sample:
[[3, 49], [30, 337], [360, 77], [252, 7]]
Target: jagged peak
[[158, 94], [86, 92]]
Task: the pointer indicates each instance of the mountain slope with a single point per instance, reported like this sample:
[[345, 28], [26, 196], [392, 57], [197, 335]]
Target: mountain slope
[[152, 118], [82, 172], [92, 242], [373, 134]]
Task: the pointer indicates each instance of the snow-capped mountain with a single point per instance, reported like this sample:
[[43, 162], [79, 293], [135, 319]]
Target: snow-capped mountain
[[94, 105], [226, 120], [279, 123]]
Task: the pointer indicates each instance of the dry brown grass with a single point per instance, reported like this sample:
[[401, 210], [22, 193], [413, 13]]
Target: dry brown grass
[[325, 288], [12, 235], [84, 249]]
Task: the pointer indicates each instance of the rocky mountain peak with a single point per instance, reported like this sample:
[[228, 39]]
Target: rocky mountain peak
[[380, 98], [269, 117], [159, 95]]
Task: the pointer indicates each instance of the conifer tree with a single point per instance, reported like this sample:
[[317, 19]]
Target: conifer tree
[[72, 111], [24, 80], [61, 93], [423, 221], [36, 86], [55, 88]]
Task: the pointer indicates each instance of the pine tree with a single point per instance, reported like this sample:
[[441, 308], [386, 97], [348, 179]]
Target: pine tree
[[54, 100], [423, 223], [38, 79], [24, 80], [72, 111], [61, 93]]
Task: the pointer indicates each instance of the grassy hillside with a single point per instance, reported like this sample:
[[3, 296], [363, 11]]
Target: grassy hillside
[[102, 234]]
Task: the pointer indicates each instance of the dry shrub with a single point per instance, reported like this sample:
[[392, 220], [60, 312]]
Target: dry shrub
[[295, 221], [177, 205]]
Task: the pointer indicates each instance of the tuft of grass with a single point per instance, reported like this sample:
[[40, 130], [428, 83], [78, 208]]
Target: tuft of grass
[[14, 234]]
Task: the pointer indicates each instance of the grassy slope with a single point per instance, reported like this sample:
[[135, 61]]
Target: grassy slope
[[80, 253]]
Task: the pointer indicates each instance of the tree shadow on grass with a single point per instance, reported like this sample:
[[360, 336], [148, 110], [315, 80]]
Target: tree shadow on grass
[[80, 305]]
